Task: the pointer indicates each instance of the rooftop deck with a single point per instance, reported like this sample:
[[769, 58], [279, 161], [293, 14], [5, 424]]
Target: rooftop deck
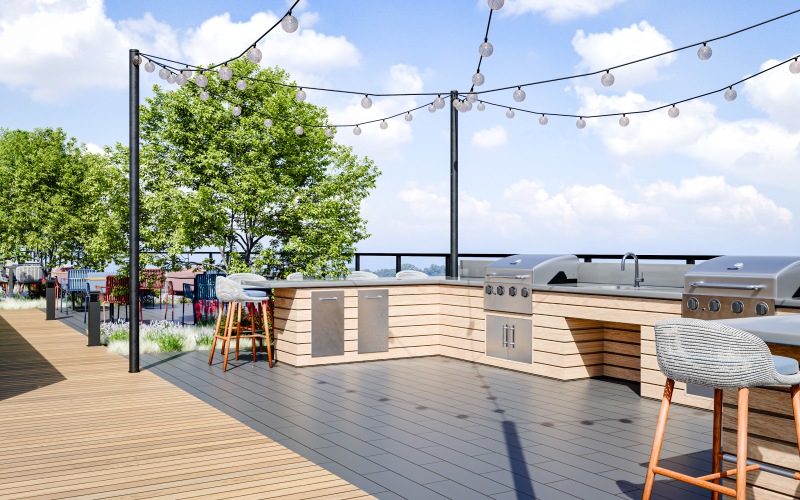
[[417, 428]]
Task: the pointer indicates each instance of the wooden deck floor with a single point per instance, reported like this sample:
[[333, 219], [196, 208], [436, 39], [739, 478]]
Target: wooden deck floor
[[76, 424]]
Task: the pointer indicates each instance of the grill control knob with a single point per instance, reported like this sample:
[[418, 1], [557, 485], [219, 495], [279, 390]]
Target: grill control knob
[[500, 290], [714, 305], [737, 307], [525, 292], [512, 290], [488, 289], [693, 304], [762, 308]]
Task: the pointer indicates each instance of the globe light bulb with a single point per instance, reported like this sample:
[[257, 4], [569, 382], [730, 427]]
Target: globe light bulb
[[204, 96], [519, 94], [438, 102], [357, 130], [241, 85], [180, 80], [366, 102], [267, 123], [478, 79], [467, 106], [300, 95], [254, 54], [607, 79], [187, 73], [457, 103], [510, 113], [171, 78], [624, 121], [543, 120], [581, 123], [730, 94], [289, 23], [409, 116], [164, 73], [704, 52], [485, 49], [236, 111], [225, 73], [298, 130], [431, 108], [136, 60], [481, 106], [495, 4], [384, 125], [794, 67], [149, 66], [201, 80], [673, 112], [329, 132], [472, 97]]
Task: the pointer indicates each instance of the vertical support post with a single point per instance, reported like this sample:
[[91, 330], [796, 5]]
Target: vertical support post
[[93, 320], [358, 262], [452, 269], [50, 299], [133, 147], [398, 263]]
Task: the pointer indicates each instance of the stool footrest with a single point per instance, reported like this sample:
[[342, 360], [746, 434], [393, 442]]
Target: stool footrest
[[696, 481], [726, 473]]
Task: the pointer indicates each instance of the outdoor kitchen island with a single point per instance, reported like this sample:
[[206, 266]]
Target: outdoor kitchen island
[[585, 327]]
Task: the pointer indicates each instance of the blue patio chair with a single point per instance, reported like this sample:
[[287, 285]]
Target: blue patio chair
[[188, 294], [77, 285], [205, 288]]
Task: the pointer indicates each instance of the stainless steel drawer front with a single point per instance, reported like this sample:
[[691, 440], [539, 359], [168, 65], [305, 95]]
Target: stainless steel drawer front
[[327, 323], [373, 320]]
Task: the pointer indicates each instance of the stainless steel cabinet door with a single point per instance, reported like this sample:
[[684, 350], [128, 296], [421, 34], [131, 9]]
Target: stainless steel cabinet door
[[373, 320], [520, 340], [327, 323], [496, 330]]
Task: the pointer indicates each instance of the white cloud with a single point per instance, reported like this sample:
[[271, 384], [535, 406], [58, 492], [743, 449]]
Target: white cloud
[[490, 137], [602, 50], [306, 54], [94, 148], [50, 48], [558, 10], [404, 79], [777, 93]]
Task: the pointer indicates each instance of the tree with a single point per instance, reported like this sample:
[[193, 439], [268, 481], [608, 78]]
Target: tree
[[210, 178], [58, 200]]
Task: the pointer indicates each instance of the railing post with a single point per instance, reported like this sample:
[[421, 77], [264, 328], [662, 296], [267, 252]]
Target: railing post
[[358, 262], [50, 299], [398, 263], [452, 269]]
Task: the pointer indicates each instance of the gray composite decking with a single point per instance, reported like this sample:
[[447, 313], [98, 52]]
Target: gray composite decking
[[437, 427]]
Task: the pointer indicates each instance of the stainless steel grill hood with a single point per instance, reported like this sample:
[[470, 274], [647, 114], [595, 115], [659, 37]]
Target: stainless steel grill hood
[[732, 275], [507, 282]]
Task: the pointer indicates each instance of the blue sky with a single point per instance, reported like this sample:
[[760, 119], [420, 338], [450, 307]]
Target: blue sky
[[722, 178]]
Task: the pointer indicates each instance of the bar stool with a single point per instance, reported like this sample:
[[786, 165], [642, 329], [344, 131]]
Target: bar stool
[[718, 356], [231, 294]]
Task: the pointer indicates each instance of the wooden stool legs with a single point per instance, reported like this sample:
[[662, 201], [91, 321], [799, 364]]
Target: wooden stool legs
[[228, 335], [710, 481]]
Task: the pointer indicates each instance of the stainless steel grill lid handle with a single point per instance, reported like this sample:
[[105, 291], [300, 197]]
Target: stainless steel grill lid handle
[[729, 286]]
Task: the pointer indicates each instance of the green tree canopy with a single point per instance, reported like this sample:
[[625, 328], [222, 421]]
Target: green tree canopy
[[210, 178], [59, 203]]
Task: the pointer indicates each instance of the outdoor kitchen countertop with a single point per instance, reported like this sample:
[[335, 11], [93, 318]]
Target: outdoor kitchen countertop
[[644, 291]]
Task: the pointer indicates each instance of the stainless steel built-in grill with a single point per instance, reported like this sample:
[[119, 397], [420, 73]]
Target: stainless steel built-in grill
[[735, 286], [508, 280]]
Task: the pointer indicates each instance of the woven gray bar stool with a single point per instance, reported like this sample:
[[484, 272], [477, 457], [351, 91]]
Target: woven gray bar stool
[[713, 355]]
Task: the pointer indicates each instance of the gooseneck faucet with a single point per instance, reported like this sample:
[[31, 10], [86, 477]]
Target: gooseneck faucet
[[636, 278]]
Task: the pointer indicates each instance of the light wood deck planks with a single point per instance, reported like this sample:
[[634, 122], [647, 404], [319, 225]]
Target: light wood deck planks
[[76, 424]]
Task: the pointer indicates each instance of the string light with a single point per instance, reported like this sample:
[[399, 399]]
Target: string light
[[298, 130], [543, 120], [795, 66], [267, 123], [704, 52], [366, 102], [607, 79], [384, 125], [204, 96], [495, 4], [478, 79], [164, 73], [431, 108], [581, 123], [409, 116], [300, 95], [236, 111], [254, 54], [241, 85], [201, 80], [510, 113], [730, 94], [519, 95], [481, 106], [187, 73], [357, 130], [673, 112], [289, 23], [467, 106], [472, 97], [329, 132], [149, 66], [225, 73], [180, 80], [438, 102], [624, 121], [485, 49]]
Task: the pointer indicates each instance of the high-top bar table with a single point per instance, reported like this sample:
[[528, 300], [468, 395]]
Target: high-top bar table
[[772, 439]]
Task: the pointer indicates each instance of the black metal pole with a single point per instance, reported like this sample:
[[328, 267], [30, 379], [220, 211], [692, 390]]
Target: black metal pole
[[134, 61], [452, 269]]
